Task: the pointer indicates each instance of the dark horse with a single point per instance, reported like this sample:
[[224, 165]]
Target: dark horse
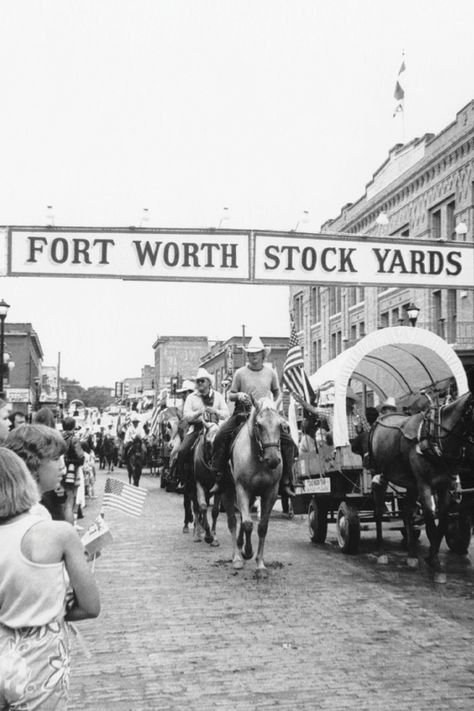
[[421, 453], [204, 479], [109, 452], [256, 465], [135, 460]]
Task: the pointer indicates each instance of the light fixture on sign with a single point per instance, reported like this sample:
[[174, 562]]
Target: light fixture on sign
[[461, 230], [145, 216], [304, 218], [49, 216], [225, 216]]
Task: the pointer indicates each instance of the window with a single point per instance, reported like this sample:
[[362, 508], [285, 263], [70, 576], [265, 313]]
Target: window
[[361, 290], [352, 296], [362, 329], [336, 343], [450, 220], [452, 316], [435, 224], [334, 300], [384, 319], [394, 317], [315, 304], [316, 355], [298, 311], [442, 220], [354, 332], [438, 321]]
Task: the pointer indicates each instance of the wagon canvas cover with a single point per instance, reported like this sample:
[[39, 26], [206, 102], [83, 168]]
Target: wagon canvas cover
[[398, 362]]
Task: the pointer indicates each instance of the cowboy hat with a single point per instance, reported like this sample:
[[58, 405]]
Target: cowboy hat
[[389, 404], [185, 386], [350, 394], [203, 373], [255, 345]]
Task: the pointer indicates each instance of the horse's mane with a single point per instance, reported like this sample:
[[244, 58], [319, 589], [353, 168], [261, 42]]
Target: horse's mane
[[266, 403]]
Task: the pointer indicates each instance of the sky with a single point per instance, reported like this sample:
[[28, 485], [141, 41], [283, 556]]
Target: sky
[[267, 107]]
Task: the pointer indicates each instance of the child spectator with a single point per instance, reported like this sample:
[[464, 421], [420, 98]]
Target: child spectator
[[35, 556]]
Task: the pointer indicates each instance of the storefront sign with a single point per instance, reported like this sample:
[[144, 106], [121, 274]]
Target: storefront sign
[[242, 257], [18, 394]]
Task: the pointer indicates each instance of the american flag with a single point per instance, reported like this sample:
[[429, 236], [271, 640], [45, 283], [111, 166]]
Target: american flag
[[399, 93], [154, 419], [294, 377], [123, 497]]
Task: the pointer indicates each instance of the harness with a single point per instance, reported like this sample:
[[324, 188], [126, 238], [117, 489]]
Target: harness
[[262, 446], [432, 433]]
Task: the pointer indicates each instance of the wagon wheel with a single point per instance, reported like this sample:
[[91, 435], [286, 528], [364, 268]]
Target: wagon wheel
[[317, 522], [348, 528], [458, 534]]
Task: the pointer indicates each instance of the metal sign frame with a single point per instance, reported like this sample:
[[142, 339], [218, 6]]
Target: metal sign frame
[[235, 256]]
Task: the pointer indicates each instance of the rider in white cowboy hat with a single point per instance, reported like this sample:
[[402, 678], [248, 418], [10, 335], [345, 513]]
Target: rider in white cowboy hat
[[388, 406], [259, 380], [202, 403]]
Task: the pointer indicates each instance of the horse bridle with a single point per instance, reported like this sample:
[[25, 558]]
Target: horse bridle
[[439, 432], [262, 446]]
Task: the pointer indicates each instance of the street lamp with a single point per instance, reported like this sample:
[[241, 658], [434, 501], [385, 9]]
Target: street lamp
[[3, 314], [412, 313]]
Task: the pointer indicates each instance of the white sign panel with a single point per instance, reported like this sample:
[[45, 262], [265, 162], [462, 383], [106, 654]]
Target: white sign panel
[[322, 258], [194, 255], [18, 394], [235, 256]]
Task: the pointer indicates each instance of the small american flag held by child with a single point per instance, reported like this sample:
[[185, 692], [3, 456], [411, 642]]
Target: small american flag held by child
[[123, 497]]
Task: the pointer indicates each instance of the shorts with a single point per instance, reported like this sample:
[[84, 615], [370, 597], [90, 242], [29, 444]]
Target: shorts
[[45, 682]]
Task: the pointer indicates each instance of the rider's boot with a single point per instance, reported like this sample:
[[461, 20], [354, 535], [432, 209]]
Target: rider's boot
[[285, 486]]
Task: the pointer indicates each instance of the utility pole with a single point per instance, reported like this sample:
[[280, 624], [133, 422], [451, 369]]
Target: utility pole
[[58, 381]]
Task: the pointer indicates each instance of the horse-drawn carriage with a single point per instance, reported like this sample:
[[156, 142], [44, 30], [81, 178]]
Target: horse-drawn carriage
[[333, 484]]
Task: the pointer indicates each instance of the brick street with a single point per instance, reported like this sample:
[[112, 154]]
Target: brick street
[[180, 630]]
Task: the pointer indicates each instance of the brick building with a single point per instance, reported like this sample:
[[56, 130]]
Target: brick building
[[424, 190], [22, 383], [177, 356]]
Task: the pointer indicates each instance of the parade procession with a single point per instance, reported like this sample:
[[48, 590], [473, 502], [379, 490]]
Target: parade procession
[[237, 425]]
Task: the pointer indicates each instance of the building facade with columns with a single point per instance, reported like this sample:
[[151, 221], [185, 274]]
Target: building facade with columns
[[424, 190]]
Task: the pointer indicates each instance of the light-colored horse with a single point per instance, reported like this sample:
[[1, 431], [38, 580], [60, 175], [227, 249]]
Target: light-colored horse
[[256, 465]]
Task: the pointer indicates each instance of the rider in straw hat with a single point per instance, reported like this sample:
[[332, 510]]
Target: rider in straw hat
[[259, 380], [202, 403]]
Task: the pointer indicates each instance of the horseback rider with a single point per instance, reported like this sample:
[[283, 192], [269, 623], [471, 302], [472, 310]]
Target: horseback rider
[[258, 379], [204, 403], [133, 431]]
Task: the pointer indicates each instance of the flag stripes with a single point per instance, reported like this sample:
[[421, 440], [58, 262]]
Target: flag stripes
[[294, 377], [123, 497], [154, 420]]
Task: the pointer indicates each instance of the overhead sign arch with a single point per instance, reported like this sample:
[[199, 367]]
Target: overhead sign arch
[[234, 256]]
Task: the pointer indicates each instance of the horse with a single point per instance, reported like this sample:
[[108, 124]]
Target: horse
[[421, 453], [135, 460], [256, 466], [109, 452], [203, 480]]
